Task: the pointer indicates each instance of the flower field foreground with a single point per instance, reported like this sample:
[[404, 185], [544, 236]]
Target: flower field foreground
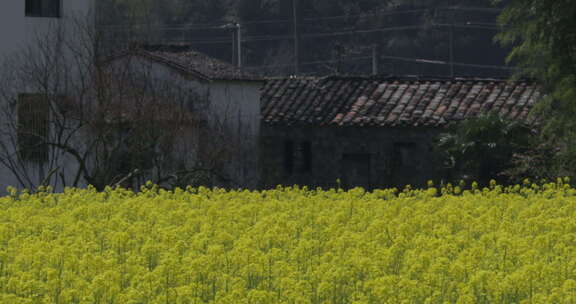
[[290, 245]]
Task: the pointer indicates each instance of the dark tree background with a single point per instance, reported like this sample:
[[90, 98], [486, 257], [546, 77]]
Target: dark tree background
[[413, 37]]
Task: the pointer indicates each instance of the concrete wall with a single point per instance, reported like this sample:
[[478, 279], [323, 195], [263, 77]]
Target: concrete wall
[[18, 32], [231, 110], [237, 105], [367, 157]]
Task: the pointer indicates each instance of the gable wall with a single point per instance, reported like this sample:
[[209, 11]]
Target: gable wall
[[236, 105], [231, 110]]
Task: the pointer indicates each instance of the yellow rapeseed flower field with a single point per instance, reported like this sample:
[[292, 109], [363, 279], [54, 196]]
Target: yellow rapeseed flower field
[[290, 245]]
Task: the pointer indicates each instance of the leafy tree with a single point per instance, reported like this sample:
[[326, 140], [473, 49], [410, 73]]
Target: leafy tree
[[541, 34], [483, 148]]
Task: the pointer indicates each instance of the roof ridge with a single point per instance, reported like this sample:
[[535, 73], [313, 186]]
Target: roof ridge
[[186, 59]]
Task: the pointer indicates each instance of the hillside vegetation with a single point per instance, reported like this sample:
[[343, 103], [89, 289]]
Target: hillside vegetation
[[336, 36]]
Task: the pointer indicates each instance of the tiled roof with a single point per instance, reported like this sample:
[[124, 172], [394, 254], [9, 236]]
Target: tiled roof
[[187, 60], [357, 101]]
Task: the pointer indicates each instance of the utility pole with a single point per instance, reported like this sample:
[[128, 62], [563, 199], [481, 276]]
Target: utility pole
[[234, 46], [236, 42], [452, 67], [340, 58], [375, 59], [239, 44], [452, 70], [296, 29]]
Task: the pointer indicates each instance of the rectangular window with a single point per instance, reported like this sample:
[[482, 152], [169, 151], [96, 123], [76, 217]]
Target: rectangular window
[[33, 127], [43, 8], [289, 157], [306, 149]]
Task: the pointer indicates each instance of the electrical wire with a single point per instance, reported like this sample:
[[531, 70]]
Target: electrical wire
[[221, 26], [476, 9], [440, 62], [343, 33], [370, 15], [213, 26], [333, 34], [378, 13], [310, 62], [398, 58]]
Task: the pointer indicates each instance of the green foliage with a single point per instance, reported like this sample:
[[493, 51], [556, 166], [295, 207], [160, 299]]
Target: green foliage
[[482, 148], [541, 33]]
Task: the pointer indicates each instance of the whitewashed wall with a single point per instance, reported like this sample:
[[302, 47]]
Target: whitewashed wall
[[17, 33], [17, 30], [238, 104], [233, 105]]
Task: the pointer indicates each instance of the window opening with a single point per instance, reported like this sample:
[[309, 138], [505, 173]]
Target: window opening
[[43, 8], [33, 127], [306, 149], [289, 157]]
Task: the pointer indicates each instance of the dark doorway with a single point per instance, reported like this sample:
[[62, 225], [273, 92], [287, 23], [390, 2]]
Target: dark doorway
[[356, 171], [405, 164]]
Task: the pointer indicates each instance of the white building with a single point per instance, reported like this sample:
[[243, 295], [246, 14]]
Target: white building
[[23, 21], [23, 24], [45, 65], [220, 94]]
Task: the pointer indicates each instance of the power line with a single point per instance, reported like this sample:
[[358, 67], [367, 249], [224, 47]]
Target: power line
[[359, 16], [182, 40], [148, 25], [353, 32], [470, 25], [128, 28], [378, 13], [219, 25], [260, 38], [342, 33], [375, 14], [476, 9], [311, 62], [268, 38], [290, 37], [333, 34], [440, 62], [398, 58], [266, 22]]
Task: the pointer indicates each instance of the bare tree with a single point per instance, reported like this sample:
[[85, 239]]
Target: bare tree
[[75, 114]]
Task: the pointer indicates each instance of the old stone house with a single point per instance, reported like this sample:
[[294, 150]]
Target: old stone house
[[370, 131]]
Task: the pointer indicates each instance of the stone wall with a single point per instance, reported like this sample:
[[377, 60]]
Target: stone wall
[[371, 157]]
